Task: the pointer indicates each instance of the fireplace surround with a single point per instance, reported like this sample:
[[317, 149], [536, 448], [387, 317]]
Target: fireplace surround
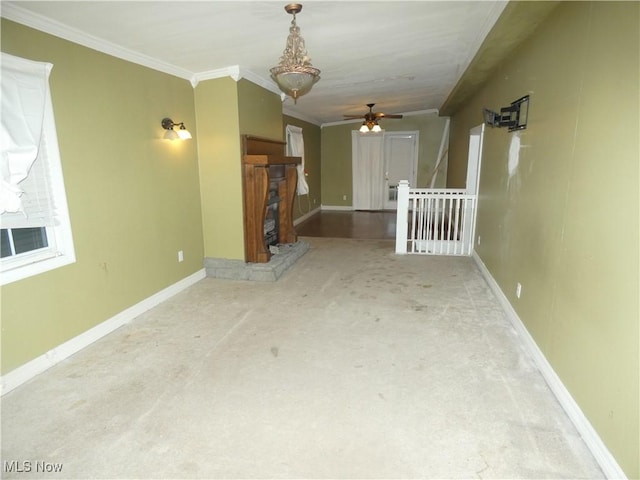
[[269, 180]]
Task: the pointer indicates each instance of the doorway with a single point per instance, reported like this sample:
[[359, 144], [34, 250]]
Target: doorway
[[400, 163], [379, 162], [474, 162], [474, 159]]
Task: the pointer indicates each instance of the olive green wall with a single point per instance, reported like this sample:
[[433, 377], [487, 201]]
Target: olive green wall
[[220, 173], [431, 128], [562, 217], [226, 110], [260, 111], [336, 154], [133, 198], [335, 168], [312, 154]]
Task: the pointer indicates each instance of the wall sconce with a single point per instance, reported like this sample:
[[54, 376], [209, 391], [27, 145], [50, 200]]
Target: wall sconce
[[514, 116], [171, 134]]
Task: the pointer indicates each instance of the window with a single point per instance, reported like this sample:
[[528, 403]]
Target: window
[[35, 229], [16, 241], [295, 148]]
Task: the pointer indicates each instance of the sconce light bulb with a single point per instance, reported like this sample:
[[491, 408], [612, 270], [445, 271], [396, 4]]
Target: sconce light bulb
[[170, 134], [183, 133]]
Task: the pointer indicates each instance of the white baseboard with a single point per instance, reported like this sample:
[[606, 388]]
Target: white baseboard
[[306, 216], [337, 207], [591, 438], [26, 372]]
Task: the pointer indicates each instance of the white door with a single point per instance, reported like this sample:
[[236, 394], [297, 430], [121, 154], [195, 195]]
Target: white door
[[367, 170], [400, 163]]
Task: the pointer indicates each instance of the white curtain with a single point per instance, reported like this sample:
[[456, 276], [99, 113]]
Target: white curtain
[[368, 170], [24, 103], [295, 148]]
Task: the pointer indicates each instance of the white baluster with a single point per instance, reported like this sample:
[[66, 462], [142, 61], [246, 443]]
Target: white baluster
[[401, 217]]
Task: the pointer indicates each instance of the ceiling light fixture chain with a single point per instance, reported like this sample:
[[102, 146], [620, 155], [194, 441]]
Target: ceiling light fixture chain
[[294, 74]]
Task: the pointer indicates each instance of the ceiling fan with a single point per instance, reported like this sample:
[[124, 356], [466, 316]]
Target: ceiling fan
[[371, 119]]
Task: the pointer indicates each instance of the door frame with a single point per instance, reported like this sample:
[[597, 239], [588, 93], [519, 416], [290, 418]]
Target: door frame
[[380, 178], [474, 159], [472, 186], [415, 134]]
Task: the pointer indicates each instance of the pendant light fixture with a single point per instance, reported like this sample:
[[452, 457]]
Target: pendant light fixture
[[294, 74]]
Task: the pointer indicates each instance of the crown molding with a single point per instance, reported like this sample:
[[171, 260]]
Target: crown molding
[[237, 73], [233, 72], [20, 15], [430, 111], [263, 82]]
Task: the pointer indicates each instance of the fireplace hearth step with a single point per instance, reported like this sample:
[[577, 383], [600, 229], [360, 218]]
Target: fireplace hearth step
[[288, 254]]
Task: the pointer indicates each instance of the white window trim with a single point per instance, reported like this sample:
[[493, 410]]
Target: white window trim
[[60, 251], [295, 148]]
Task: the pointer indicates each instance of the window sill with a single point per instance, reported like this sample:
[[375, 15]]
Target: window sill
[[36, 267]]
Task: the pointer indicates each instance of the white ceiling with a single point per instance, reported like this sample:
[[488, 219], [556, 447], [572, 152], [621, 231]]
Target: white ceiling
[[402, 56]]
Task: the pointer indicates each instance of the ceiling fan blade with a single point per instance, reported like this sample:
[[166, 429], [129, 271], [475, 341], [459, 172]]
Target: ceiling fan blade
[[371, 116]]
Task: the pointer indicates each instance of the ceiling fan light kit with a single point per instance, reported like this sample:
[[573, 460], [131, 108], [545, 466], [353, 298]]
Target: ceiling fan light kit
[[294, 74], [370, 123], [370, 127]]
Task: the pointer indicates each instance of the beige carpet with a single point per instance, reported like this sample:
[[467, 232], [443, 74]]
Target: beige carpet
[[357, 363]]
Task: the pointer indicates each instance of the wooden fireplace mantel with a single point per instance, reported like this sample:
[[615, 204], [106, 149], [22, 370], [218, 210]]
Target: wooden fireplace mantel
[[264, 163]]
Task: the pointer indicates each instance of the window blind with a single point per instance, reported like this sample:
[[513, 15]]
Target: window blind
[[26, 174], [37, 200]]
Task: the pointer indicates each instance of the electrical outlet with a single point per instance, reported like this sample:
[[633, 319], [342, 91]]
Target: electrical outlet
[[180, 256], [479, 238], [344, 197], [518, 290]]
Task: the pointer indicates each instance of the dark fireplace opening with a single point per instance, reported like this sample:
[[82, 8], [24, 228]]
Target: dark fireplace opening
[[271, 220]]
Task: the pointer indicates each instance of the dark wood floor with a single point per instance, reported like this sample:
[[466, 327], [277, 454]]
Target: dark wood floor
[[377, 225]]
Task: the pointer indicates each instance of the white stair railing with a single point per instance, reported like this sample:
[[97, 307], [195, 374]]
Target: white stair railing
[[434, 221]]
